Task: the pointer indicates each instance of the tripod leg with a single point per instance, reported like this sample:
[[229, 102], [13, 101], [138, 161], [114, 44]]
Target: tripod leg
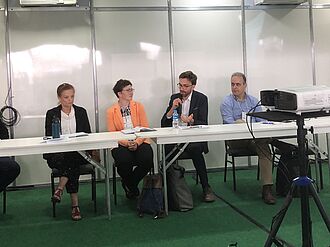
[[320, 206], [305, 217], [277, 223]]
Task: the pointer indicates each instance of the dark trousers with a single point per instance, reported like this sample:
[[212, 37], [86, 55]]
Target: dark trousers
[[195, 152], [9, 170], [132, 166], [68, 164]]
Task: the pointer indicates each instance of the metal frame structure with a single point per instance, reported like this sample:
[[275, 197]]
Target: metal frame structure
[[88, 6]]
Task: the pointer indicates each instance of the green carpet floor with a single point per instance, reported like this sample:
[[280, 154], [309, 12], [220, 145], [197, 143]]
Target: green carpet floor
[[29, 221]]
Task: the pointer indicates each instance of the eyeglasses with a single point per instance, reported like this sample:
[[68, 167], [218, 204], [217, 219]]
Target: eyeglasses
[[237, 84], [129, 90], [183, 86]]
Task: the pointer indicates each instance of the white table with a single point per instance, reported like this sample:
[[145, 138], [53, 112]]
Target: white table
[[36, 145], [226, 132]]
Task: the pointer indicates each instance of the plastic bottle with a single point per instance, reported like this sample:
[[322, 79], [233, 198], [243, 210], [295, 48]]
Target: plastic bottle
[[56, 127], [175, 119]]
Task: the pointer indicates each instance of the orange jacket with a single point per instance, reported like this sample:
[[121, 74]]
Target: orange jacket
[[139, 118]]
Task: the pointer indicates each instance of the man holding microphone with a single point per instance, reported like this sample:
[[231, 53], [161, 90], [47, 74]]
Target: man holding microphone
[[192, 107]]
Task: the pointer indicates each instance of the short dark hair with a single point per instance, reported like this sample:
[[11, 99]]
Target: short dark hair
[[190, 76], [239, 74], [64, 86], [120, 86]]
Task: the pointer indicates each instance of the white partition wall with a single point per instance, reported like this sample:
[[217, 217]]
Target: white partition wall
[[3, 73], [322, 46], [209, 43], [135, 40], [278, 49], [47, 48], [134, 45]]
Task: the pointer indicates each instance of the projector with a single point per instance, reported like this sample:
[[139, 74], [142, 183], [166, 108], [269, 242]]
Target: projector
[[298, 99]]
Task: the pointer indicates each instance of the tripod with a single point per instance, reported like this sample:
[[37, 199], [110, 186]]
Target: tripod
[[303, 182]]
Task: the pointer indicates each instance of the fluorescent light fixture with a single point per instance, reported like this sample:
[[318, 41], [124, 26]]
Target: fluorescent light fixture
[[47, 2], [279, 1]]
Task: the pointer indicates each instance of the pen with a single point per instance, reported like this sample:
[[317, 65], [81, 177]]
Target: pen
[[79, 135], [267, 122]]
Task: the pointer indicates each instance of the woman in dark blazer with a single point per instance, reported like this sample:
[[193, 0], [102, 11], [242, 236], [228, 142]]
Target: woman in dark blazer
[[73, 119]]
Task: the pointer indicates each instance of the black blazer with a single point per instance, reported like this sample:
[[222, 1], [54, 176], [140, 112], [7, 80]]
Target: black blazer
[[3, 131], [82, 122], [198, 106]]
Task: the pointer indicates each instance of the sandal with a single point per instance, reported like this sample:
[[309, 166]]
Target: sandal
[[56, 198], [75, 214]]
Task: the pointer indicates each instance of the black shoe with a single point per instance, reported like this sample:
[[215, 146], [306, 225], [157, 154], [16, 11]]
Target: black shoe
[[130, 194]]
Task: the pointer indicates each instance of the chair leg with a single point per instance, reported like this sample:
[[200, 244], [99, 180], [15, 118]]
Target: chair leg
[[225, 173], [114, 183], [4, 199], [94, 189], [234, 172], [258, 172], [53, 191]]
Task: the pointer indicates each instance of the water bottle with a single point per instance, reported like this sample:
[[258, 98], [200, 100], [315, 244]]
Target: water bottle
[[56, 127], [175, 119]]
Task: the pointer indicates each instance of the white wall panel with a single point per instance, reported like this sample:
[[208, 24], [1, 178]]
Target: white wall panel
[[134, 46], [322, 46], [3, 72], [209, 43], [47, 48], [278, 49]]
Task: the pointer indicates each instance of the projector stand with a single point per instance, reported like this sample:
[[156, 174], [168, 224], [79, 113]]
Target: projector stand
[[305, 184]]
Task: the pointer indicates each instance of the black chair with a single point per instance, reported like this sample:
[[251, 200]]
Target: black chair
[[4, 201], [235, 153], [87, 169]]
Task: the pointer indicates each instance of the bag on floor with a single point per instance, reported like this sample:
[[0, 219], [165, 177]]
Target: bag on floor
[[151, 199], [178, 192]]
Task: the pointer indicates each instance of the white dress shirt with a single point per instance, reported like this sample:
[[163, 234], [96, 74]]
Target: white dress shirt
[[68, 122]]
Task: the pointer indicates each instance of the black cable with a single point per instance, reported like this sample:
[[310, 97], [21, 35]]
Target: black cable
[[277, 240], [249, 126], [14, 116]]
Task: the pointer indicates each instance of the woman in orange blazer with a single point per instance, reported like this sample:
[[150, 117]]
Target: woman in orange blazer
[[134, 158]]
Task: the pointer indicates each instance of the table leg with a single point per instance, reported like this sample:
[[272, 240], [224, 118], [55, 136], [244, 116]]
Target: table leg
[[164, 178], [106, 171], [107, 184], [328, 150]]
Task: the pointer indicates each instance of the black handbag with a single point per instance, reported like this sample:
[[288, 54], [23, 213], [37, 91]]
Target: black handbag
[[151, 199]]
